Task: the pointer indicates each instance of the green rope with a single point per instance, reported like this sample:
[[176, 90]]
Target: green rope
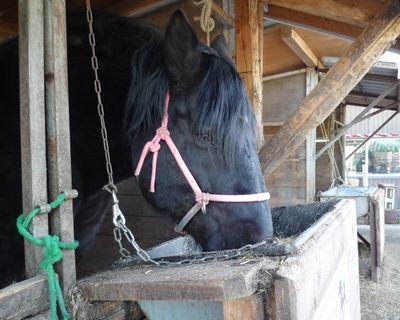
[[52, 247]]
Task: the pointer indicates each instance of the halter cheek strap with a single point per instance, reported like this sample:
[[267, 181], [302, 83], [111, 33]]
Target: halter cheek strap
[[202, 199]]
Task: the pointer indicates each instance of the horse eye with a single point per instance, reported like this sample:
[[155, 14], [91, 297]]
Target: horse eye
[[205, 137]]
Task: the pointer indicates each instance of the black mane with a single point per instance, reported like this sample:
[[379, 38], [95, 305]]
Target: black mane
[[222, 110]]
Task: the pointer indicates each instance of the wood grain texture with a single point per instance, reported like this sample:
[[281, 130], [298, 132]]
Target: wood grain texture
[[211, 281], [344, 75], [299, 47], [350, 11], [312, 22], [249, 50], [25, 298], [33, 131], [250, 308], [57, 133]]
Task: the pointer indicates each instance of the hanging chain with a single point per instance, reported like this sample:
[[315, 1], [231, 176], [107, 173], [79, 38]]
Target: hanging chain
[[110, 187], [118, 217]]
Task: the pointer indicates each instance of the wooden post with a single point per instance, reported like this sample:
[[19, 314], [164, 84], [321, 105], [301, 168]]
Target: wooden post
[[311, 82], [249, 35], [300, 47], [339, 81], [58, 141], [33, 145]]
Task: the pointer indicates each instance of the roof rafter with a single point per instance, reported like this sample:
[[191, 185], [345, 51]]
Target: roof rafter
[[349, 11], [299, 47], [312, 22]]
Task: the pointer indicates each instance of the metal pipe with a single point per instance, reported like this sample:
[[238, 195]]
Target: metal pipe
[[372, 135], [284, 74], [342, 131], [389, 106]]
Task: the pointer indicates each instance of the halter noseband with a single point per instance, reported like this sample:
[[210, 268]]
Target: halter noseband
[[202, 199]]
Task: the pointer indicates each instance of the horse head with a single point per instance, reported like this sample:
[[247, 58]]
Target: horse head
[[214, 128]]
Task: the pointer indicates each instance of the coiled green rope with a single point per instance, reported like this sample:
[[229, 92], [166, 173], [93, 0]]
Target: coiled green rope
[[52, 246]]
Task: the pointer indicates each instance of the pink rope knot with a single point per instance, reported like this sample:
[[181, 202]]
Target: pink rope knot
[[162, 132], [154, 147], [204, 199]]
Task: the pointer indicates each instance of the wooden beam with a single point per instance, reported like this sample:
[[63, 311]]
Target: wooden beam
[[33, 131], [310, 176], [311, 22], [249, 14], [138, 8], [223, 280], [339, 81], [249, 308], [24, 298], [299, 47], [58, 137], [222, 16], [349, 11]]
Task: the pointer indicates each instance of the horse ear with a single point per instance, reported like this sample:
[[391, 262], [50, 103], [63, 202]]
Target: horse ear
[[220, 45], [182, 48]]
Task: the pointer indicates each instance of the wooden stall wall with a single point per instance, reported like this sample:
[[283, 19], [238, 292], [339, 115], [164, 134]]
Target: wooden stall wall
[[293, 182]]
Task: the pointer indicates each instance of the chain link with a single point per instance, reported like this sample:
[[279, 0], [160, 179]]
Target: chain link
[[120, 229], [110, 187]]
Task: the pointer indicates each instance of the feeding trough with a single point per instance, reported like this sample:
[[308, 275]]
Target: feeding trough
[[370, 205], [311, 272], [362, 195]]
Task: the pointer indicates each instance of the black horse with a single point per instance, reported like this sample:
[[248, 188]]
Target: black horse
[[210, 121]]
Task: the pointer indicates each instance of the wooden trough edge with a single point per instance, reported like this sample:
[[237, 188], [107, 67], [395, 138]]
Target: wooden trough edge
[[212, 281], [24, 298], [216, 281]]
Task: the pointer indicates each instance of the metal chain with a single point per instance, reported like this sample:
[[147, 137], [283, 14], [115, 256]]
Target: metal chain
[[118, 216], [100, 108], [216, 256]]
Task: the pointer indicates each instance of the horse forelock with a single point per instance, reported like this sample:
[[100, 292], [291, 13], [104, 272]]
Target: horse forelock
[[221, 108]]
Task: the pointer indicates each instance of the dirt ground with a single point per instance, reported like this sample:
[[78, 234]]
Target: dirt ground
[[382, 301]]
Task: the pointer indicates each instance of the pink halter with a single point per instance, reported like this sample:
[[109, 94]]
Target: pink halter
[[202, 199]]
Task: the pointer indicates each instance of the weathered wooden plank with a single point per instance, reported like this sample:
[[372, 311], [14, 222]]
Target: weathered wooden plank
[[138, 8], [110, 310], [222, 16], [24, 298], [249, 308], [377, 235], [248, 53], [278, 105], [299, 47], [58, 138], [211, 281], [348, 11], [310, 172], [45, 315], [329, 289], [33, 145], [334, 87], [312, 22]]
